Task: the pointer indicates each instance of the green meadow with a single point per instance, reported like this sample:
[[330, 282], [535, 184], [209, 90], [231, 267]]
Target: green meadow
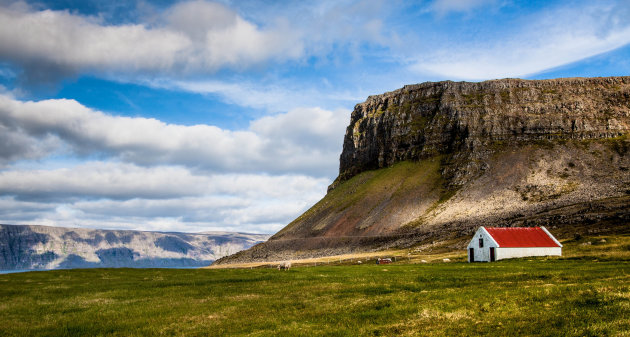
[[548, 297]]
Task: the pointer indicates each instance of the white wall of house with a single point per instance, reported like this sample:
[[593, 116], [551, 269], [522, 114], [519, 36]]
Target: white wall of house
[[482, 254], [512, 252]]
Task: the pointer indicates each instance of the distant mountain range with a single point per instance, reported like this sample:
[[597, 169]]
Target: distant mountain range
[[43, 247]]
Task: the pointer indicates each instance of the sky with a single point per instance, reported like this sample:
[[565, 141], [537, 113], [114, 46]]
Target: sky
[[196, 116]]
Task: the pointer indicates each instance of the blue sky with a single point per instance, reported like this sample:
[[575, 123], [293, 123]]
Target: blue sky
[[230, 115]]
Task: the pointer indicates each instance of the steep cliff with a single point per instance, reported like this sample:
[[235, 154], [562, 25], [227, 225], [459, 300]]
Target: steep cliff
[[41, 247], [424, 120], [431, 162]]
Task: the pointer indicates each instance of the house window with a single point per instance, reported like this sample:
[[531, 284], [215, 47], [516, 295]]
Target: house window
[[480, 242]]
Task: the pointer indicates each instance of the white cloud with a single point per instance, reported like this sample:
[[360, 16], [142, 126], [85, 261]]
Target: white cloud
[[69, 41], [158, 176], [127, 181], [300, 141], [197, 18], [223, 38], [118, 195], [16, 144], [303, 127], [552, 39], [193, 38], [14, 211], [196, 36], [103, 180], [187, 39]]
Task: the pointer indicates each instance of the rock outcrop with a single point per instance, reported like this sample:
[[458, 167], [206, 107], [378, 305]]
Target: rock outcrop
[[423, 120], [42, 247], [430, 162]]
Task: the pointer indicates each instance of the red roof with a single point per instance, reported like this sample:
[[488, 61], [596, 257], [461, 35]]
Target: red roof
[[521, 237]]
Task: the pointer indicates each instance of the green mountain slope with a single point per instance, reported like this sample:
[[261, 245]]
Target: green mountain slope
[[428, 164]]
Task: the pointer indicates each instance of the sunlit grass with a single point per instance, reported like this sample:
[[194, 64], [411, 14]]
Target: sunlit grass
[[539, 297]]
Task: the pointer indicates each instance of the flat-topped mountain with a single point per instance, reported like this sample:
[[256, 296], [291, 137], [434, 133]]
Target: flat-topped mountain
[[43, 247], [423, 120], [428, 163]]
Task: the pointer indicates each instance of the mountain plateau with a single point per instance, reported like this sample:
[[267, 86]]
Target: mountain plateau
[[42, 247], [425, 165]]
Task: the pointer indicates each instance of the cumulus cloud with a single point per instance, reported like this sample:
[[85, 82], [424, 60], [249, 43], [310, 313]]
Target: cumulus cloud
[[16, 144], [66, 41], [186, 39], [123, 181], [153, 175], [18, 211], [119, 195], [558, 37], [161, 215], [196, 36], [303, 127], [102, 180], [204, 212], [304, 140], [201, 37], [224, 38]]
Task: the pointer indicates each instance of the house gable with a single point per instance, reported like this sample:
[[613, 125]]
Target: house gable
[[487, 238], [477, 253]]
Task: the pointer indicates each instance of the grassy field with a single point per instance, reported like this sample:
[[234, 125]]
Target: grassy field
[[573, 296]]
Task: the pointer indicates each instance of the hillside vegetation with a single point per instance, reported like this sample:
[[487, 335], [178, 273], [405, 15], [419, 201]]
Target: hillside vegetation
[[434, 161], [572, 187], [585, 294], [374, 197]]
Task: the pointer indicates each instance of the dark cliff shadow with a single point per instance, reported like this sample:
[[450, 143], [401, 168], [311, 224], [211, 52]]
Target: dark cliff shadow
[[173, 244], [16, 248]]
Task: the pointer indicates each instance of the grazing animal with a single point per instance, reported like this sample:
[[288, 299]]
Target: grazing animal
[[284, 266]]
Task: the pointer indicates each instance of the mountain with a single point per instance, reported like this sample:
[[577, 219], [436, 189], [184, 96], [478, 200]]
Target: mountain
[[427, 164], [43, 247]]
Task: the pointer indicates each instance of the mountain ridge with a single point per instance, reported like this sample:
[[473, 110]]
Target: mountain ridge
[[419, 121], [46, 247], [431, 162]]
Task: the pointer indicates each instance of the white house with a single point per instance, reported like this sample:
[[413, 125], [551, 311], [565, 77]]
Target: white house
[[495, 243]]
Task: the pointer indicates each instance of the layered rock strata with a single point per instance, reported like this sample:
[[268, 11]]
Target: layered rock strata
[[424, 120], [42, 247], [428, 163]]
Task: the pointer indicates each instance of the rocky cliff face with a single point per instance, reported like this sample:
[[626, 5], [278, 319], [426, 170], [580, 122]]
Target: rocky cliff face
[[431, 162], [41, 247], [424, 120]]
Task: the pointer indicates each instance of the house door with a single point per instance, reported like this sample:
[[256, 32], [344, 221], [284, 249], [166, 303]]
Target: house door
[[491, 254], [471, 254]]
